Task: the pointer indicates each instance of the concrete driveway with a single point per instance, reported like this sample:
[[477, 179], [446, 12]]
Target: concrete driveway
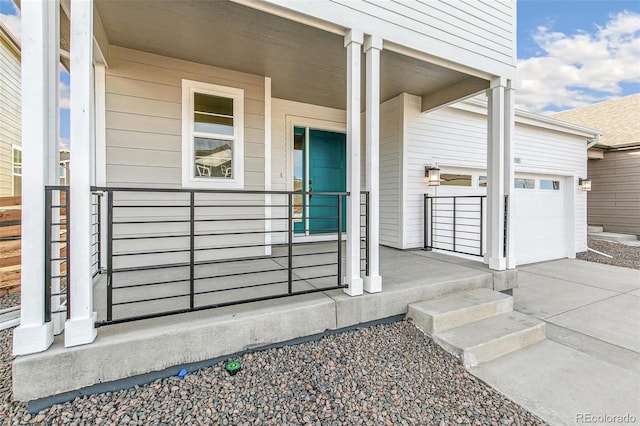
[[588, 369]]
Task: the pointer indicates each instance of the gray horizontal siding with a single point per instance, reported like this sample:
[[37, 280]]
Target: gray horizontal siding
[[144, 149], [614, 200]]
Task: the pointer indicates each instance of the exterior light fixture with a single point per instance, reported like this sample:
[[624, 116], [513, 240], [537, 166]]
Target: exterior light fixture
[[432, 173], [584, 184]]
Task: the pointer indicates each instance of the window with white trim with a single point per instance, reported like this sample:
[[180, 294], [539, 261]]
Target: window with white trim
[[16, 167], [212, 136]]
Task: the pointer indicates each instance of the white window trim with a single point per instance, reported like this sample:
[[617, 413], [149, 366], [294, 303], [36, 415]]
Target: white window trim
[[189, 88], [13, 163]]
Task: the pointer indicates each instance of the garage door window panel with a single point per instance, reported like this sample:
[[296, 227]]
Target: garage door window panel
[[547, 184], [524, 183]]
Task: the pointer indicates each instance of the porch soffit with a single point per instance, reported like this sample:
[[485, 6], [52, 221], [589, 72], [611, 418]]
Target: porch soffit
[[305, 64]]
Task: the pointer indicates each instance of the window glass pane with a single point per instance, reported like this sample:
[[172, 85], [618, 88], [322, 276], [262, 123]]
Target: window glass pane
[[17, 185], [455, 180], [17, 161], [213, 158], [524, 183], [550, 184], [213, 114], [298, 173], [482, 181]]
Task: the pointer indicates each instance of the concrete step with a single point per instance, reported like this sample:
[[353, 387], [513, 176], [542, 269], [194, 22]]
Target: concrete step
[[612, 236], [490, 338], [9, 317], [595, 228], [457, 309]]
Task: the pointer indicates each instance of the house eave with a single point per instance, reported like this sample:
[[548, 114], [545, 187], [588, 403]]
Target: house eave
[[10, 39], [532, 119]]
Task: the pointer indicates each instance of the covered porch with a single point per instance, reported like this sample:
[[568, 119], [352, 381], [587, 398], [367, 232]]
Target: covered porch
[[164, 345], [135, 68]]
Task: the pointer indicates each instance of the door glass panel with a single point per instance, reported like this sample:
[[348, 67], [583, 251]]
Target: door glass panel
[[298, 174]]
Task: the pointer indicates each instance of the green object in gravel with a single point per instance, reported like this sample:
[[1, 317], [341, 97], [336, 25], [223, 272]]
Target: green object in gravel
[[233, 367]]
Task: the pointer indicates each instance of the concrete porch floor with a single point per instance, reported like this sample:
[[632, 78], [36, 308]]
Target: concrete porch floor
[[156, 347]]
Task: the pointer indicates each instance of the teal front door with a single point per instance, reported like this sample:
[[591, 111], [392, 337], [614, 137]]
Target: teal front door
[[324, 169]]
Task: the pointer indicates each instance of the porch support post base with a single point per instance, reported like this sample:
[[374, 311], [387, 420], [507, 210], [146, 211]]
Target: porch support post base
[[80, 331], [31, 339], [355, 286], [373, 284], [497, 263], [58, 321]]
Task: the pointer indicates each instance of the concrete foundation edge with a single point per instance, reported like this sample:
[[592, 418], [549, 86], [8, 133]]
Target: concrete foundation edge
[[37, 405]]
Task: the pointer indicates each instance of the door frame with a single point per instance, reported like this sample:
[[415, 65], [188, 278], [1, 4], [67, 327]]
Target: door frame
[[293, 121]]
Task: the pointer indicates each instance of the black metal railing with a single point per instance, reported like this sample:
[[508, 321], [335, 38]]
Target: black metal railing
[[505, 219], [171, 251], [57, 267], [364, 233], [455, 223], [96, 233]]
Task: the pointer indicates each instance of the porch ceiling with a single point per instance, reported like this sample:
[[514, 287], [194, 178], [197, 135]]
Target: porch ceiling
[[306, 64]]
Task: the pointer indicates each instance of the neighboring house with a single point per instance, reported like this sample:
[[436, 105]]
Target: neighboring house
[[194, 126], [10, 114], [614, 163]]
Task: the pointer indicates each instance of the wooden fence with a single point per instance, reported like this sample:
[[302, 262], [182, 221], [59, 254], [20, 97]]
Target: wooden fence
[[10, 231]]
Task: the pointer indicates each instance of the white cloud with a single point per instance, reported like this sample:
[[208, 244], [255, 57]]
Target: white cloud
[[63, 143], [579, 69], [64, 93], [13, 23]]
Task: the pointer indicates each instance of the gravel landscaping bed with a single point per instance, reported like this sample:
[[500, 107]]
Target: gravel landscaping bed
[[623, 255], [9, 300], [383, 375]]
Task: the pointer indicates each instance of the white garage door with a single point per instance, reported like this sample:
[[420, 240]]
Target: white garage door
[[539, 218]]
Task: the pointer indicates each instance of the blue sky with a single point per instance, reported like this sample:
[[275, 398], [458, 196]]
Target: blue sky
[[570, 53], [576, 52]]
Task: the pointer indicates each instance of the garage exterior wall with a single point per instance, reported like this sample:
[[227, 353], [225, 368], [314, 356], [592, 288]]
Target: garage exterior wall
[[456, 139], [614, 200]]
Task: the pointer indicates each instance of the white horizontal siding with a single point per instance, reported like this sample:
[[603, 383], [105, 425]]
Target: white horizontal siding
[[391, 130], [476, 34], [143, 118], [10, 115], [144, 149], [456, 139]]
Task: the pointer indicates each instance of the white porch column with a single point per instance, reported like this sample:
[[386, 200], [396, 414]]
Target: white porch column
[[372, 47], [40, 57], [509, 173], [353, 43], [79, 329], [495, 175]]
